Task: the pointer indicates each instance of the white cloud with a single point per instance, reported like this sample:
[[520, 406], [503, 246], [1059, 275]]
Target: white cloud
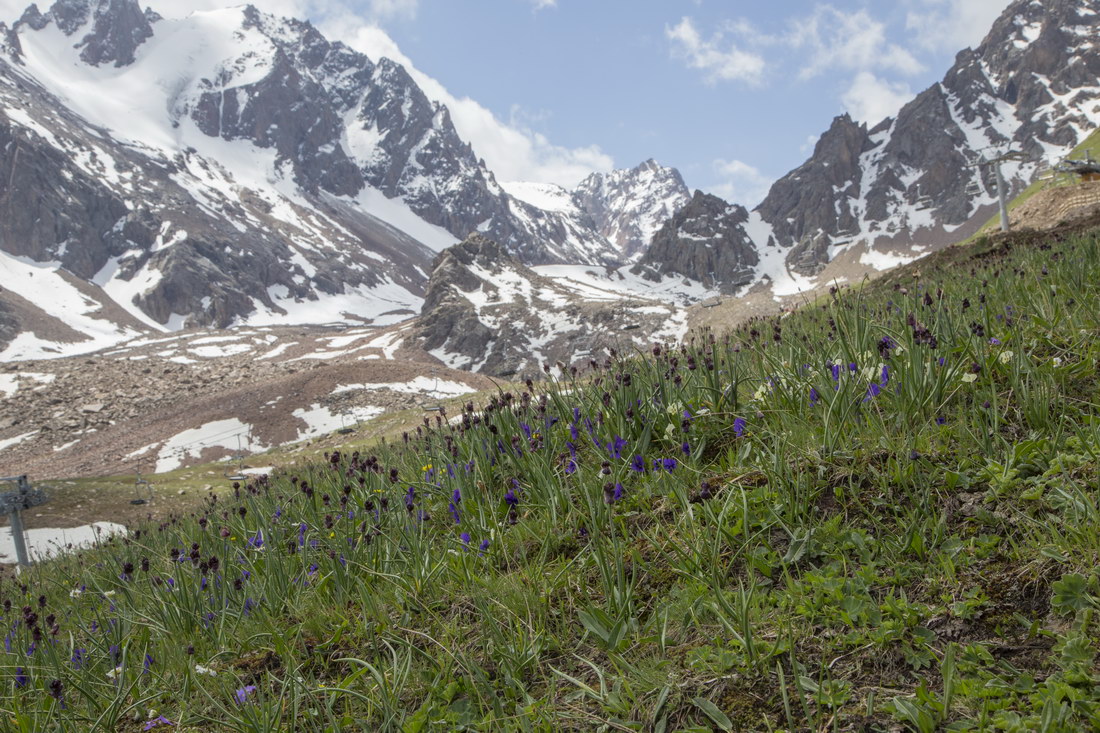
[[871, 99], [541, 4], [740, 183], [849, 41], [721, 59], [949, 25]]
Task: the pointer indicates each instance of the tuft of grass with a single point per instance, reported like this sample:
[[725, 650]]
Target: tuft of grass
[[877, 511]]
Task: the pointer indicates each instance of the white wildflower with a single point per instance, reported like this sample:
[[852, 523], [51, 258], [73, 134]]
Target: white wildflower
[[970, 377], [199, 669], [1057, 361], [75, 593], [114, 673], [1005, 356]]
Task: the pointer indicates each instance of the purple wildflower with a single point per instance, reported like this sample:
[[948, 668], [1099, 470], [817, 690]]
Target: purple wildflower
[[465, 537], [146, 664], [157, 722], [78, 658], [940, 420], [638, 464], [20, 678], [570, 467], [685, 448], [483, 547], [836, 372], [885, 374], [243, 693], [510, 498], [739, 426], [995, 341], [454, 512], [257, 540], [813, 396], [873, 391]]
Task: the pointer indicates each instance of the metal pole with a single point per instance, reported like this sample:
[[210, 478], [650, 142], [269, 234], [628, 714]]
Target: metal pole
[[1002, 195], [18, 539]]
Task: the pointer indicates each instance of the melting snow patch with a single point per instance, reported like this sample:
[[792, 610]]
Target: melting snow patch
[[216, 434], [9, 442], [321, 420], [48, 542], [419, 385], [885, 260]]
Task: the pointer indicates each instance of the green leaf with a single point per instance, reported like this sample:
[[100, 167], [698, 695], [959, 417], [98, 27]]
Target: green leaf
[[720, 719], [1071, 594]]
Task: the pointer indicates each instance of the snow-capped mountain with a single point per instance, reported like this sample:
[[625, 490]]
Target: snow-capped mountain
[[629, 206], [1033, 85], [227, 168]]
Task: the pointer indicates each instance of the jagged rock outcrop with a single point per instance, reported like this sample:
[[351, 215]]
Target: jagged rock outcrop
[[705, 241], [629, 206], [486, 311]]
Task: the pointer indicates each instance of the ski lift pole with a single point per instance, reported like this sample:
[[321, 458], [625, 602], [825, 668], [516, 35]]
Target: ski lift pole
[[1002, 196], [14, 502]]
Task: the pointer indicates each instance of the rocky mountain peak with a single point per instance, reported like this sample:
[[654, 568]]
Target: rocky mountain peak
[[704, 241], [117, 27], [628, 206]]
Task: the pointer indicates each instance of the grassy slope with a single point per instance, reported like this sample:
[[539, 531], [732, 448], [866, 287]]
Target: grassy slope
[[1091, 144], [821, 554]]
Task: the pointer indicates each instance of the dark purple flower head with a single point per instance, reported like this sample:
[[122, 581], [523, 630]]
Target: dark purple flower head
[[571, 467], [454, 512], [873, 391], [940, 420], [813, 396], [638, 464], [836, 372], [20, 678], [257, 540], [739, 426], [685, 448], [483, 546], [465, 537], [510, 498]]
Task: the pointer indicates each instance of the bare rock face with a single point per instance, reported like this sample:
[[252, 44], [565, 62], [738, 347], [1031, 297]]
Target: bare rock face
[[705, 241], [117, 27]]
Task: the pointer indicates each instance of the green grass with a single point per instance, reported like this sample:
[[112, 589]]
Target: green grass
[[915, 545]]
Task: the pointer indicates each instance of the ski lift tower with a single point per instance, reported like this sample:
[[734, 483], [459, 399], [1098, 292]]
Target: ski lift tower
[[14, 502], [995, 163]]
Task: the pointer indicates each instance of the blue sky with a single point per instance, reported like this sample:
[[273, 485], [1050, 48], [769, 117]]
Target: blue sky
[[731, 92]]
